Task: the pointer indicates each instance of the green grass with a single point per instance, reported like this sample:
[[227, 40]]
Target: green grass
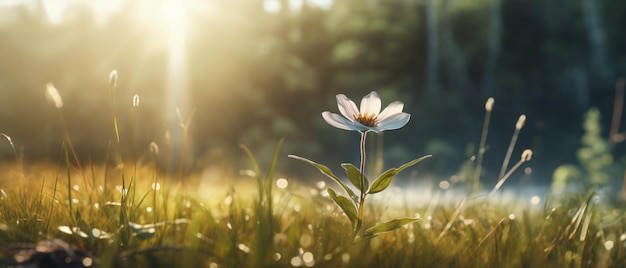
[[203, 225], [72, 214]]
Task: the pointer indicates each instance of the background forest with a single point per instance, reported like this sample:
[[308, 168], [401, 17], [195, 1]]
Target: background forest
[[257, 71]]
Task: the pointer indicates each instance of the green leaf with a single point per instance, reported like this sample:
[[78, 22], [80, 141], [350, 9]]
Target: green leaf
[[270, 176], [409, 164], [382, 182], [257, 171], [388, 226], [354, 175], [345, 204], [326, 171]]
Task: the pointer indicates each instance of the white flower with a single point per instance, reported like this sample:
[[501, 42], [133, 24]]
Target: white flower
[[369, 117]]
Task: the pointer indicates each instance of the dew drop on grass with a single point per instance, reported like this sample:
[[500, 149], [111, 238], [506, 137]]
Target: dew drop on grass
[[277, 256], [328, 257], [512, 216], [96, 205], [535, 200], [345, 258], [622, 237], [149, 209], [296, 261], [321, 184], [608, 245], [229, 226], [156, 186], [244, 248], [282, 183], [75, 200], [228, 200], [96, 233], [76, 187], [65, 229], [444, 185], [305, 240], [308, 258], [87, 262]]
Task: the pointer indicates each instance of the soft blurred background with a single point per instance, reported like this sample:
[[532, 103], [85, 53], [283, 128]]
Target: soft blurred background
[[256, 71]]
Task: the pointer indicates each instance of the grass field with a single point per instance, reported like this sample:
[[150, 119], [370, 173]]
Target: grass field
[[73, 214], [203, 225]]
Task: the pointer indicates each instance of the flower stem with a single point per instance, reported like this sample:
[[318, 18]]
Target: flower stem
[[363, 190]]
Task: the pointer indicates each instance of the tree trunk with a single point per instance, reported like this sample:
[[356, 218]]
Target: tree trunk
[[597, 40], [432, 49], [495, 34], [454, 58]]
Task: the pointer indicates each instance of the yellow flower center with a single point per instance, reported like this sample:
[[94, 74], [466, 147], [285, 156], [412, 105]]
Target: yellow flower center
[[368, 120]]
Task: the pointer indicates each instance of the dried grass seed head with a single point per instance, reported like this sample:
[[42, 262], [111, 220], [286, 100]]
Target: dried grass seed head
[[489, 104], [53, 97], [520, 122], [527, 155]]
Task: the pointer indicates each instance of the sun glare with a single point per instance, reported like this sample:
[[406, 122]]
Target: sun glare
[[176, 85], [54, 9]]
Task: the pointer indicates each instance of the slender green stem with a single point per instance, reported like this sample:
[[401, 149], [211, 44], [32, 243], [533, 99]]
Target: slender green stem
[[363, 190]]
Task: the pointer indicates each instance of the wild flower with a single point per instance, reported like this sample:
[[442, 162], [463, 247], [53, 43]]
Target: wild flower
[[368, 117]]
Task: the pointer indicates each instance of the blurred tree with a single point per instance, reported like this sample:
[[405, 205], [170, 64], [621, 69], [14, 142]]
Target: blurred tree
[[453, 55], [495, 33], [432, 55], [597, 41]]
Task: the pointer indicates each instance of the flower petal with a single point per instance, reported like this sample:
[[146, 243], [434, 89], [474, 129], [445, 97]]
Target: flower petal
[[337, 121], [392, 122], [347, 107], [370, 104], [391, 109]]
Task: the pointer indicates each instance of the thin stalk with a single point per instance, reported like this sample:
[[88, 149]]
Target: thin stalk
[[526, 156], [507, 158], [69, 184], [183, 151], [483, 141], [71, 147], [505, 177], [117, 139], [363, 190]]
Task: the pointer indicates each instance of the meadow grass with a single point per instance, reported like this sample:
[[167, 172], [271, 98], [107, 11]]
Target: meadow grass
[[297, 225], [132, 214]]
